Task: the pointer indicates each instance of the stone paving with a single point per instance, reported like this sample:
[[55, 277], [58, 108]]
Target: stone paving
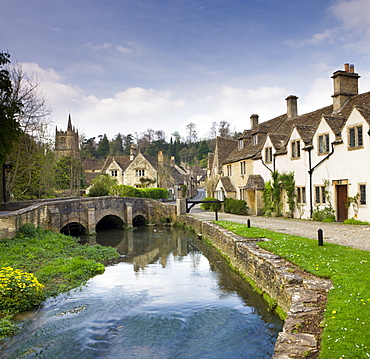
[[356, 236]]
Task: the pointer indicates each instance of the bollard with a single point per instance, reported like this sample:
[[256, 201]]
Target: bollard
[[249, 223], [216, 214], [320, 237]]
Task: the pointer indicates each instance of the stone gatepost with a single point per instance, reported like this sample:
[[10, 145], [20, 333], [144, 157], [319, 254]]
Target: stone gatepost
[[180, 206], [91, 218], [129, 214]]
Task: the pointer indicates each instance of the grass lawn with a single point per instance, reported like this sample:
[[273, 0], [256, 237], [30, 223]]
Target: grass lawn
[[347, 317], [58, 262]]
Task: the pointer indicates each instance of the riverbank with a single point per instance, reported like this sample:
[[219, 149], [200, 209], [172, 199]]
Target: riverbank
[[297, 293], [59, 263]]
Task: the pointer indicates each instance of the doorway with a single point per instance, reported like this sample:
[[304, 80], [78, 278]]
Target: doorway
[[342, 209]]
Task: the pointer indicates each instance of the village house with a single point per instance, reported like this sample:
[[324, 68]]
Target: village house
[[142, 171], [327, 150]]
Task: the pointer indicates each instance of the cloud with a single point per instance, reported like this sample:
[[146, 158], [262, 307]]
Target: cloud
[[353, 31], [326, 36], [106, 46]]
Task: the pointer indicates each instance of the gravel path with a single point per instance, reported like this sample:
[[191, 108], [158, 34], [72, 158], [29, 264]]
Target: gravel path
[[344, 234]]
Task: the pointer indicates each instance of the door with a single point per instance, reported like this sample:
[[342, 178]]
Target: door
[[342, 210]]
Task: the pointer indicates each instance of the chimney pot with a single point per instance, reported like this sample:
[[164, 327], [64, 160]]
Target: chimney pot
[[352, 68], [254, 120], [292, 108], [346, 67]]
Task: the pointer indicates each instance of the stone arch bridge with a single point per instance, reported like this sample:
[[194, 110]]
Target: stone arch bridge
[[83, 214]]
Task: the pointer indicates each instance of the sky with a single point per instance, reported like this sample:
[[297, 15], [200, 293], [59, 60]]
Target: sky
[[126, 66]]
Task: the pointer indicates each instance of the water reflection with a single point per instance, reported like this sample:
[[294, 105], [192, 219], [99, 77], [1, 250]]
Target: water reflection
[[171, 297]]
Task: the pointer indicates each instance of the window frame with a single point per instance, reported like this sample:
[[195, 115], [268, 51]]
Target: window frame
[[323, 144], [268, 154], [243, 168], [320, 196], [355, 137], [363, 195], [140, 172], [301, 194], [295, 148], [114, 173]]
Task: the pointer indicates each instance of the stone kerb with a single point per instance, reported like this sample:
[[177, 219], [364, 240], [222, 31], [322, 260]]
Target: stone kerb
[[295, 294]]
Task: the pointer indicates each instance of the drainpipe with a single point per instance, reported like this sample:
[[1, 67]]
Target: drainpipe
[[310, 172], [267, 166]]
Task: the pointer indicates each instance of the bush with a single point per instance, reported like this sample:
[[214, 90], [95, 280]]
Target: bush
[[235, 206], [155, 193], [101, 186], [211, 206], [19, 290], [355, 221], [125, 191], [326, 214], [27, 230]]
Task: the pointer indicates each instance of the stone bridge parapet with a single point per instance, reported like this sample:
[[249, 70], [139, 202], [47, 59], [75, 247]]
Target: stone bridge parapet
[[87, 212]]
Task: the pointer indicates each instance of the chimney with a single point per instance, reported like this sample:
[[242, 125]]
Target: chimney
[[172, 161], [254, 120], [345, 86], [132, 152], [160, 157], [292, 108]]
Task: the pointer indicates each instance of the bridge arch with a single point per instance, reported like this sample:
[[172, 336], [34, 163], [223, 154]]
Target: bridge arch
[[139, 221], [110, 221], [73, 229]]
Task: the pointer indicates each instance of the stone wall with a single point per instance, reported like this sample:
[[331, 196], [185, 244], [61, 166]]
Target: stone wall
[[296, 294]]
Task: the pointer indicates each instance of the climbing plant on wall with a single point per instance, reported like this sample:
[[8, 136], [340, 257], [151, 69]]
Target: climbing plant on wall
[[272, 193]]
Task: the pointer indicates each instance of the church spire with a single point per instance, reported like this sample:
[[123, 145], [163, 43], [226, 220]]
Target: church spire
[[69, 127]]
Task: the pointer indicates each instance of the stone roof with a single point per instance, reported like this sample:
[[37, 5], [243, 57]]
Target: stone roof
[[255, 182], [122, 161], [227, 185], [92, 164]]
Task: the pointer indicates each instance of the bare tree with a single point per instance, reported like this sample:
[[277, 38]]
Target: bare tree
[[34, 143], [192, 132], [224, 129]]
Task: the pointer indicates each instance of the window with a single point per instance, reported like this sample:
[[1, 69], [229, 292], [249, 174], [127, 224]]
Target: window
[[114, 173], [140, 173], [301, 194], [362, 188], [323, 144], [241, 144], [242, 193], [243, 168], [255, 140], [296, 149], [268, 154], [320, 196], [355, 137], [228, 169]]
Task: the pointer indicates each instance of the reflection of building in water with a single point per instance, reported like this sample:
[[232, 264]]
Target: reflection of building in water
[[142, 260]]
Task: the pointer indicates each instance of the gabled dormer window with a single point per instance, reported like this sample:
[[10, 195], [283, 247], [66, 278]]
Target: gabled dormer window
[[323, 144], [268, 154], [355, 137], [296, 149], [241, 144]]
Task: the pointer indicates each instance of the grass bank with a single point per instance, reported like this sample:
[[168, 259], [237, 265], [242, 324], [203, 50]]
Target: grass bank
[[346, 324], [57, 261]]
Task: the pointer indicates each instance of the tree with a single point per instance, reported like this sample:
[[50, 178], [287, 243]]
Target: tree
[[102, 186], [31, 145], [116, 146], [224, 129], [203, 150], [103, 147], [69, 174], [192, 132], [88, 148], [10, 109]]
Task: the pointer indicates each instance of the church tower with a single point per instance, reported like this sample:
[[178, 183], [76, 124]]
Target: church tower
[[66, 142]]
